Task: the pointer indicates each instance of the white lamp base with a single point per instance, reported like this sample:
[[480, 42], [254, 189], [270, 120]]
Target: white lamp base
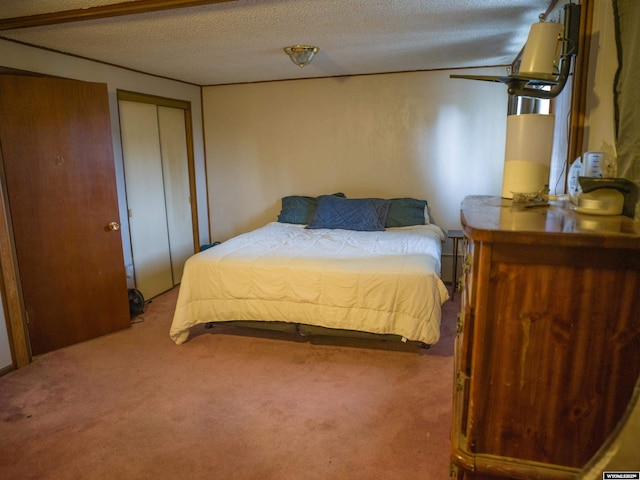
[[527, 153]]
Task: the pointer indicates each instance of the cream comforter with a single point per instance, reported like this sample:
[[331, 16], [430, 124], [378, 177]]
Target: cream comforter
[[380, 282]]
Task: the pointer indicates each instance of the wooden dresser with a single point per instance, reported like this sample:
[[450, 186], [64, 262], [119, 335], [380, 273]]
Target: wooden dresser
[[548, 346]]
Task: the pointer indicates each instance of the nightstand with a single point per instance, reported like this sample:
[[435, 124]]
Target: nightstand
[[456, 236]]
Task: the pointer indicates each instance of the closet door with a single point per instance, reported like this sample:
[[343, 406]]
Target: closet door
[[154, 143], [175, 173]]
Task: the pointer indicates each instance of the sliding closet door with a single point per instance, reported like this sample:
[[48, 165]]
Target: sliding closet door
[[156, 160], [175, 171], [145, 197]]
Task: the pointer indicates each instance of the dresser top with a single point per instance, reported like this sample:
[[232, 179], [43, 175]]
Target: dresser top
[[488, 218]]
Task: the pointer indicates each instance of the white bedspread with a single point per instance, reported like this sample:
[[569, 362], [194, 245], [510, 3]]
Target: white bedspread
[[379, 282]]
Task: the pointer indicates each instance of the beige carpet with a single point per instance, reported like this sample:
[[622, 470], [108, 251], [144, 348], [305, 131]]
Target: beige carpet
[[229, 404]]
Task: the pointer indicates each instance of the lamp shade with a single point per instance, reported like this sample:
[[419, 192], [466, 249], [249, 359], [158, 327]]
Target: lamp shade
[[541, 53], [527, 153]]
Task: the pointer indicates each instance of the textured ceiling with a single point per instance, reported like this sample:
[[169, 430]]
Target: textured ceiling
[[242, 40]]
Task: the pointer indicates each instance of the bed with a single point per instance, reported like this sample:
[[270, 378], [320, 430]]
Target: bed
[[334, 264]]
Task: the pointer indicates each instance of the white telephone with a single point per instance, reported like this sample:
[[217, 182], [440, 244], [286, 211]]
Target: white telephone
[[594, 164], [604, 201]]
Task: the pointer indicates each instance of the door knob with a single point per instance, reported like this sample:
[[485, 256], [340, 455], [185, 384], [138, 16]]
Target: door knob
[[115, 226]]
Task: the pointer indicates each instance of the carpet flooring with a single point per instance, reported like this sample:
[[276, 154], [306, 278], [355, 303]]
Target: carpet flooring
[[229, 404]]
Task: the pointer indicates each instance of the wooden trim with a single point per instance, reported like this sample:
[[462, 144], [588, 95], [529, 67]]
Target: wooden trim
[[193, 198], [10, 287], [580, 85], [482, 464], [153, 99], [206, 169], [102, 11], [516, 468]]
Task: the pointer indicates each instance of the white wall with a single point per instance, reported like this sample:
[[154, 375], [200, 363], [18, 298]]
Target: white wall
[[418, 134], [32, 59], [603, 64]]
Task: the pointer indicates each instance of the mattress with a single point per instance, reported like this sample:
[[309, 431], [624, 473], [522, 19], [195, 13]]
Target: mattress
[[385, 282]]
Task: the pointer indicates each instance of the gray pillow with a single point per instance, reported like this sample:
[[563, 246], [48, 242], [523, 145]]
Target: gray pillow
[[298, 208], [404, 212]]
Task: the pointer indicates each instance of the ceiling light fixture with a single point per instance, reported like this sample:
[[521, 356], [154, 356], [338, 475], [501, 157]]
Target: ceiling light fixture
[[301, 55]]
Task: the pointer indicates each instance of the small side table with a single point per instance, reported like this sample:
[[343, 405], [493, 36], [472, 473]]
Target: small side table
[[456, 236]]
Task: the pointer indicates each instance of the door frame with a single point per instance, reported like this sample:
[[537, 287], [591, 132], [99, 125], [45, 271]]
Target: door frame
[[13, 302], [10, 287], [185, 106]]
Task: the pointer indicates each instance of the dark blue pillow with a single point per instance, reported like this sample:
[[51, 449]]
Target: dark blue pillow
[[362, 214], [404, 212], [298, 209]]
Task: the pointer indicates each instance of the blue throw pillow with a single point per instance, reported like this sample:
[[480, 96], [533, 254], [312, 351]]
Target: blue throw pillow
[[298, 208], [362, 214], [404, 212]]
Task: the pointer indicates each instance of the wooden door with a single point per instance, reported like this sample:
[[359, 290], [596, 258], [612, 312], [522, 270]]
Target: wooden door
[[55, 138]]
